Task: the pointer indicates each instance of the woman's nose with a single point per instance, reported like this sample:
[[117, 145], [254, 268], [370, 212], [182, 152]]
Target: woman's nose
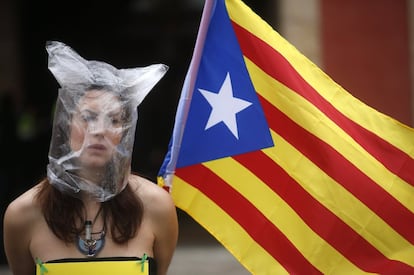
[[97, 126]]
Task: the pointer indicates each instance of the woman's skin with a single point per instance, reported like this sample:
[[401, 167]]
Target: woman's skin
[[96, 129]]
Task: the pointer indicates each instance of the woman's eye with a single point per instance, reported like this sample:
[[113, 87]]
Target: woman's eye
[[116, 121], [88, 117]]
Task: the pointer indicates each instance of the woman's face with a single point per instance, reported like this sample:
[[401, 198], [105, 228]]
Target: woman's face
[[96, 128]]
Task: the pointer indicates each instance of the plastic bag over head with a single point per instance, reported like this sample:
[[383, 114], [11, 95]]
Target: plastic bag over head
[[94, 122]]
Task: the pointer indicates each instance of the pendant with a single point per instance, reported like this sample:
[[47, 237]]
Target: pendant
[[91, 247]]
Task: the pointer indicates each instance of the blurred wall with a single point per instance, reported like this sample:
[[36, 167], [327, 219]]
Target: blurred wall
[[366, 46], [9, 50], [300, 25]]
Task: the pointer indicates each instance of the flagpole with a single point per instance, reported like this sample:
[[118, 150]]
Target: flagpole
[[201, 36], [188, 88]]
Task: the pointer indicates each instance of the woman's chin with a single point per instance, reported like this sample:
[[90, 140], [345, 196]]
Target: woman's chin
[[95, 163]]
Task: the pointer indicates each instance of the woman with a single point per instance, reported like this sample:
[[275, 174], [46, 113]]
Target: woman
[[90, 208]]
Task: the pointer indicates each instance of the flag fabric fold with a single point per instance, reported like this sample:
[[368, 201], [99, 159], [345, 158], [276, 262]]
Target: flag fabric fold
[[290, 172]]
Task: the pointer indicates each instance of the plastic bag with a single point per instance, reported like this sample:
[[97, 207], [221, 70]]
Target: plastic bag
[[94, 122]]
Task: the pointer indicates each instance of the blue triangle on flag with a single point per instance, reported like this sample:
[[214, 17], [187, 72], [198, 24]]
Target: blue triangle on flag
[[222, 57]]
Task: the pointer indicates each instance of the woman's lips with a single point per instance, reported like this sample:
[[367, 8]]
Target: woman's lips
[[97, 147]]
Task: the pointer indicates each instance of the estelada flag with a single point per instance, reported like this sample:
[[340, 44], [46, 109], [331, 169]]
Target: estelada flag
[[290, 172]]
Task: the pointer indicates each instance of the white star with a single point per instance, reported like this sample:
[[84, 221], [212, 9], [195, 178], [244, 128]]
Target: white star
[[224, 106]]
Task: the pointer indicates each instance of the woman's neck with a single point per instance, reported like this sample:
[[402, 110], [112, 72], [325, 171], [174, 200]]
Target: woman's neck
[[91, 206], [93, 175]]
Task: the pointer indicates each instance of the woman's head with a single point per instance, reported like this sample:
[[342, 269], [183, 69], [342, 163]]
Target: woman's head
[[92, 141], [94, 124], [97, 127]]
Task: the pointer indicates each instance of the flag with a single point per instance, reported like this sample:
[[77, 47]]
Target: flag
[[290, 172]]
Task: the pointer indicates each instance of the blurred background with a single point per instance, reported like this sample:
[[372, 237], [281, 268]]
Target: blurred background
[[366, 46]]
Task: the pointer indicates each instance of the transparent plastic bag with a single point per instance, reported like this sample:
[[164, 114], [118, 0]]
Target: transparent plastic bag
[[94, 122]]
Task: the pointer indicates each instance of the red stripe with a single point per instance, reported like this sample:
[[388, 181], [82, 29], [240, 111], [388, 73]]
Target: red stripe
[[321, 220], [342, 171], [275, 65], [248, 216]]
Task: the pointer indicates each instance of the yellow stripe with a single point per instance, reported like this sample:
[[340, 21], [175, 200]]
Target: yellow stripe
[[340, 202], [282, 216], [313, 120], [224, 228], [384, 126]]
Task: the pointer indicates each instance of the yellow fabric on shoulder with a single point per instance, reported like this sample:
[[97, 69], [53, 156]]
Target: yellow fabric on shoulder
[[94, 267]]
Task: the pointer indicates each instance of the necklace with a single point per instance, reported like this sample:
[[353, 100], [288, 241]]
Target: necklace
[[89, 246]]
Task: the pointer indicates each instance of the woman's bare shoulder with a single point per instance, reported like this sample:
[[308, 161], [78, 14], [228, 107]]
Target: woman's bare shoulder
[[152, 195], [160, 212], [146, 188], [24, 209], [20, 219]]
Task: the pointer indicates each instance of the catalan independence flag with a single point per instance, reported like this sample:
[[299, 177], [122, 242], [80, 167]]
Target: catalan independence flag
[[290, 172]]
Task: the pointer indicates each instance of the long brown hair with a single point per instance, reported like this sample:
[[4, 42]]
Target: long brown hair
[[63, 212]]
